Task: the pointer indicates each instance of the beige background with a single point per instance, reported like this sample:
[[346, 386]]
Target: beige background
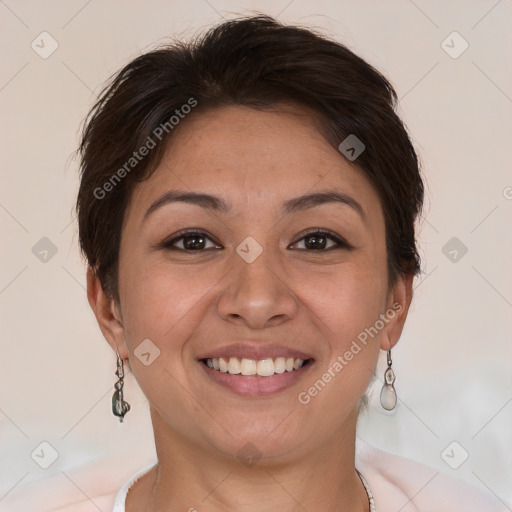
[[453, 363]]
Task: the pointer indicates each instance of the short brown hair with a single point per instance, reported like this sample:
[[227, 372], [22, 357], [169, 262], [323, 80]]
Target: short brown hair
[[251, 61]]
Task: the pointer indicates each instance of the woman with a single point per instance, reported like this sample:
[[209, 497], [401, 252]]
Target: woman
[[247, 209]]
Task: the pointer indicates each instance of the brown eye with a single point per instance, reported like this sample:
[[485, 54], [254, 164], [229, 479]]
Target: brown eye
[[194, 242], [321, 241], [190, 241]]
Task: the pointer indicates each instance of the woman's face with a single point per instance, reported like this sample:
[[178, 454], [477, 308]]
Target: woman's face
[[255, 282]]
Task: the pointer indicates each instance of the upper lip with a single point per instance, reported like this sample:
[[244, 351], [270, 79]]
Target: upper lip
[[256, 350]]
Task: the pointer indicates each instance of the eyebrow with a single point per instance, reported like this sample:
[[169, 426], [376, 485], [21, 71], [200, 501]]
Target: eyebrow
[[296, 204]]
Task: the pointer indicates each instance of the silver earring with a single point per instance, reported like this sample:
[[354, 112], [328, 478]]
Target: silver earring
[[388, 393], [119, 406]]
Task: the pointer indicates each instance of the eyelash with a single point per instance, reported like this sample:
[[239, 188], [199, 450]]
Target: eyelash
[[341, 244]]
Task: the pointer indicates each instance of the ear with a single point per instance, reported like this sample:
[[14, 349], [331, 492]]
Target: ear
[[399, 300], [107, 314]]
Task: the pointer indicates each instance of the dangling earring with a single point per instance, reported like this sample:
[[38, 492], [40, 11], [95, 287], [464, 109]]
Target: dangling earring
[[119, 406], [388, 394]]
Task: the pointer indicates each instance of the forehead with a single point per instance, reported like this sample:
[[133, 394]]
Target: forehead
[[254, 157]]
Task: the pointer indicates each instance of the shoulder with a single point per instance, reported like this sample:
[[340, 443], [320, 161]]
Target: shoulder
[[398, 483], [55, 494], [88, 488], [92, 504]]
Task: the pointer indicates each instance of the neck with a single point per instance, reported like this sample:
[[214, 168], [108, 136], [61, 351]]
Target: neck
[[194, 478]]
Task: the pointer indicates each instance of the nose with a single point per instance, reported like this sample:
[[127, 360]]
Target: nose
[[256, 295]]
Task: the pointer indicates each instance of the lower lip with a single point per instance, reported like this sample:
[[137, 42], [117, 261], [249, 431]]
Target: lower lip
[[254, 385]]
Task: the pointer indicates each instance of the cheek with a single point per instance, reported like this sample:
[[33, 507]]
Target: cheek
[[351, 306], [347, 300], [164, 306], [352, 303], [161, 302]]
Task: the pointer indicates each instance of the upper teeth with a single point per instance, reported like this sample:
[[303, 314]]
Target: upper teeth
[[262, 367]]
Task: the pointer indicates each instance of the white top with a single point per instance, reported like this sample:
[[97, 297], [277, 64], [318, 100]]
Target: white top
[[121, 495], [396, 483]]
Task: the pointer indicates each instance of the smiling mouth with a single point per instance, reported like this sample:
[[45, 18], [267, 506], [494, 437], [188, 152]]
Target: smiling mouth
[[253, 367]]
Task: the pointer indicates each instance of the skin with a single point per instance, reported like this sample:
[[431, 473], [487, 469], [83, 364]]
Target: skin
[[187, 302]]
